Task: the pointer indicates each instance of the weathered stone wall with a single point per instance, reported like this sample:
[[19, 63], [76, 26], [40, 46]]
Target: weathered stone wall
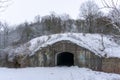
[[111, 65], [82, 56], [47, 56]]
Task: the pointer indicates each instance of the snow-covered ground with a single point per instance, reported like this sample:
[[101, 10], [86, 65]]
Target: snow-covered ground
[[55, 73]]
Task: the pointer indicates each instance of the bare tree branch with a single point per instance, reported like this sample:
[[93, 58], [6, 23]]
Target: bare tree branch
[[114, 13]]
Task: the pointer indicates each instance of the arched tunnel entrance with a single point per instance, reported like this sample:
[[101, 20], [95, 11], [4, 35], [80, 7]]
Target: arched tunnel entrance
[[65, 59]]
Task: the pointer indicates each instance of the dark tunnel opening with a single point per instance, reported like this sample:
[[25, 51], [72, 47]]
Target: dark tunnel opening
[[65, 59]]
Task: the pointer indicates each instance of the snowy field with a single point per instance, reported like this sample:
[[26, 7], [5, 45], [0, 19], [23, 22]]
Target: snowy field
[[55, 73]]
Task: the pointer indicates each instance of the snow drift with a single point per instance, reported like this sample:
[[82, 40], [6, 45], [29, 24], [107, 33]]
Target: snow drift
[[101, 45], [55, 73]]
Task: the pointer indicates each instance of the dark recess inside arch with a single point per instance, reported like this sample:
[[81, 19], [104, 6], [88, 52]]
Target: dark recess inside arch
[[65, 59]]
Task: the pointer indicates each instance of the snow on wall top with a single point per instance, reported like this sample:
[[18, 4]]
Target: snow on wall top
[[102, 45]]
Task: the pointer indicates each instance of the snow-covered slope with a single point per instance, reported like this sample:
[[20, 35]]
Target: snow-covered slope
[[102, 45], [55, 73]]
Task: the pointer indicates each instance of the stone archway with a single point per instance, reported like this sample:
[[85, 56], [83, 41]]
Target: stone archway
[[56, 55], [65, 59]]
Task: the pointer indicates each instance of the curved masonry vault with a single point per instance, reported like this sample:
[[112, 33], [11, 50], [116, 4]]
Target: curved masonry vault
[[66, 53], [48, 56]]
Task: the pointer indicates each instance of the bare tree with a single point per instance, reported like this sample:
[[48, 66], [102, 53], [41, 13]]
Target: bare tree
[[37, 18], [89, 8], [114, 14], [4, 35], [90, 11], [3, 27], [6, 30], [52, 23]]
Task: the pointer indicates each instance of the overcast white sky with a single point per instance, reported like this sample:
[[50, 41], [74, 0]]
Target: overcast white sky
[[25, 10]]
